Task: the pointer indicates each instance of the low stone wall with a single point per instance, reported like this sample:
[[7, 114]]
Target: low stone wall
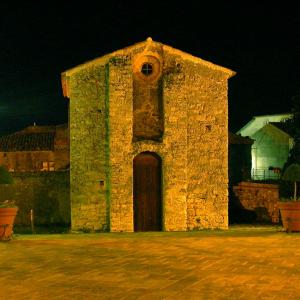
[[46, 193], [259, 197]]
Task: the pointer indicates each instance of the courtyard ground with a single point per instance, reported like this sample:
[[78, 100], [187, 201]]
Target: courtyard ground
[[241, 263]]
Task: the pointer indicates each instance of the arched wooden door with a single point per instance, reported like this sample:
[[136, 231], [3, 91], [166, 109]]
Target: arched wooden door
[[147, 192]]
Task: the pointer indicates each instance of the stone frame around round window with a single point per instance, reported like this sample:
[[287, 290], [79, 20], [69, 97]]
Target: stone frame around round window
[[149, 60]]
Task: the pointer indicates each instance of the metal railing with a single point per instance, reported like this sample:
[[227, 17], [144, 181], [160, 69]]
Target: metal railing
[[265, 174]]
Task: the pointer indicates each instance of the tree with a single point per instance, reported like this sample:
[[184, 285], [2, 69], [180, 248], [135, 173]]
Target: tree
[[292, 173], [294, 155], [5, 177]]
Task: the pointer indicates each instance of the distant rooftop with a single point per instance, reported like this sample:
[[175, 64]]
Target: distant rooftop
[[258, 122], [32, 138], [283, 127]]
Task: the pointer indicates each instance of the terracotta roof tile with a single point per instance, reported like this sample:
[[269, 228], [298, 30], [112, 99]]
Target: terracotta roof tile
[[27, 141]]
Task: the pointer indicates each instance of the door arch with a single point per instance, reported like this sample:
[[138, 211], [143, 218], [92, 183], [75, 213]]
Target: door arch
[[147, 204]]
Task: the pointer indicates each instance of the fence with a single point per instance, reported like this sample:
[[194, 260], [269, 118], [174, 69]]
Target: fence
[[265, 174]]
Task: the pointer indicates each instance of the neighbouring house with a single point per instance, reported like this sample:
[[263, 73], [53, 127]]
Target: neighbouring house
[[35, 149], [272, 143], [239, 158], [39, 159], [148, 141]]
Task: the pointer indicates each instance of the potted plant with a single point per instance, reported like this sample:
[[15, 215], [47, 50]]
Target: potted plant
[[8, 209], [290, 207]]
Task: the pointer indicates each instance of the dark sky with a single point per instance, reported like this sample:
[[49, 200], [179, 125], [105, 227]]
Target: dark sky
[[41, 39]]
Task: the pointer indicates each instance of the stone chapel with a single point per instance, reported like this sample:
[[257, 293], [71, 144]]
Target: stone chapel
[[148, 141]]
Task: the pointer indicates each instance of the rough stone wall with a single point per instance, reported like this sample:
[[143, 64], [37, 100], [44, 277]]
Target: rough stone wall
[[89, 184], [193, 144], [175, 148], [199, 108], [47, 193], [172, 150], [258, 196], [120, 144], [147, 109]]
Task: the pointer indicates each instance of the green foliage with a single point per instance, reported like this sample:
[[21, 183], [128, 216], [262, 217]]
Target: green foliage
[[286, 190], [292, 173], [294, 124], [7, 204], [291, 170], [5, 177]]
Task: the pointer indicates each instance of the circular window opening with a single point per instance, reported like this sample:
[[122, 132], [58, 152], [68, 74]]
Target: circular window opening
[[147, 69]]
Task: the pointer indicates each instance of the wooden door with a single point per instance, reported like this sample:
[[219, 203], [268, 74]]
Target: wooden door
[[147, 192]]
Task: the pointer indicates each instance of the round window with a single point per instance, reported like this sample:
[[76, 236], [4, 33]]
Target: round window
[[147, 69]]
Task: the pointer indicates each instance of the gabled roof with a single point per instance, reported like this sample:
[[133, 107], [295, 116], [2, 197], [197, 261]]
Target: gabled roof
[[147, 44], [282, 126], [32, 138], [271, 131], [258, 122]]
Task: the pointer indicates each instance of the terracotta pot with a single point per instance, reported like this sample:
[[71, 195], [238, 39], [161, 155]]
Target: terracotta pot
[[7, 219], [290, 215]]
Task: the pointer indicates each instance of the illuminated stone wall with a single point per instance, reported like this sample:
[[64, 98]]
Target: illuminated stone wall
[[187, 99], [88, 162]]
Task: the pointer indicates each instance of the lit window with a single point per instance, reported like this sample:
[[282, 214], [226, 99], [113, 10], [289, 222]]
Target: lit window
[[51, 166], [45, 166], [48, 166]]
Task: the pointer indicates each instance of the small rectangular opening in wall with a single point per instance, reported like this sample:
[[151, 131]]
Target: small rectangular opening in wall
[[101, 183]]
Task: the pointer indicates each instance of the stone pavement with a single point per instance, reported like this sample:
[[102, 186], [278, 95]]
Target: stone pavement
[[241, 263]]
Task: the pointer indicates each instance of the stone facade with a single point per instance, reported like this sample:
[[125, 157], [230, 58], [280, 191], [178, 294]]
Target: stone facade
[[148, 98]]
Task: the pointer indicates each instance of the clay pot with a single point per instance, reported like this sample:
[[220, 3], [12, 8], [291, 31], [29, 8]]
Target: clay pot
[[290, 215], [7, 219]]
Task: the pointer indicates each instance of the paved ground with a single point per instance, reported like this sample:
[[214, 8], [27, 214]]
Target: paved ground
[[241, 263]]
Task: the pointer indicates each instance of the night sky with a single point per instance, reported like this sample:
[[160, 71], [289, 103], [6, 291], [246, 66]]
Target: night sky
[[41, 39]]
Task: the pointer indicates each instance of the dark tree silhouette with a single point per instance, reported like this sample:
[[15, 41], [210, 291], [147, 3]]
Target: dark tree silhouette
[[285, 189], [294, 155]]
